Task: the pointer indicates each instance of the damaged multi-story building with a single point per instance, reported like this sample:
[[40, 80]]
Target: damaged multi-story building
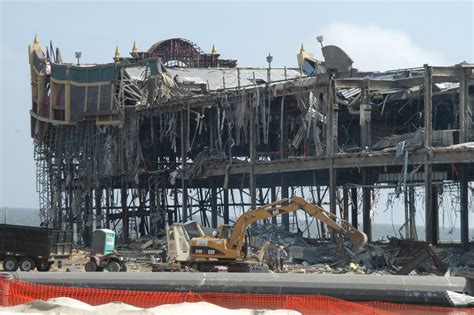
[[174, 134]]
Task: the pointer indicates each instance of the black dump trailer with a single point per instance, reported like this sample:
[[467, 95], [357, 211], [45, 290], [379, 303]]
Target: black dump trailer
[[27, 247]]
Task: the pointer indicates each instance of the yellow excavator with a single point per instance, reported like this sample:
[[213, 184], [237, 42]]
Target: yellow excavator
[[188, 244]]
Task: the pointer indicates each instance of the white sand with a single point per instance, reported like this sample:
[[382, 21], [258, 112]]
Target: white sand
[[64, 305]]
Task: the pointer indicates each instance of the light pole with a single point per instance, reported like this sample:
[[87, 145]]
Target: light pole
[[269, 60], [320, 40], [78, 56]]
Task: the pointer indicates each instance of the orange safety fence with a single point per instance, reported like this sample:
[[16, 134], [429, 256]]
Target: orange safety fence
[[14, 292]]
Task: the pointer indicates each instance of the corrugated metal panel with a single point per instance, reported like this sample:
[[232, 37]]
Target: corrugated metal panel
[[215, 77]]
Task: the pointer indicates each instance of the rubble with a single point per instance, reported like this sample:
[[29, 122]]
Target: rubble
[[387, 257]]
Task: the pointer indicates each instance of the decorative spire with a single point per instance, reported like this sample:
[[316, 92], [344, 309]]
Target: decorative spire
[[301, 49], [213, 50], [36, 40], [134, 48], [117, 53]]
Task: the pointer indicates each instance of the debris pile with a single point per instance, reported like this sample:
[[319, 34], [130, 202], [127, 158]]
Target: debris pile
[[144, 252], [457, 259], [390, 257]]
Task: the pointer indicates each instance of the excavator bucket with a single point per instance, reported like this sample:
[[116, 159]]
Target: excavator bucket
[[358, 239]]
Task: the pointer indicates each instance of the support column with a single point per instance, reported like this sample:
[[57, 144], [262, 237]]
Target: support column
[[331, 119], [366, 204], [226, 206], [285, 218], [273, 196], [332, 195], [107, 208], [87, 232], [345, 204], [406, 203], [427, 100], [125, 225], [184, 180], [98, 208], [428, 138], [320, 204], [253, 158], [71, 214], [464, 186], [435, 215], [332, 189], [365, 118], [412, 212], [463, 106], [355, 210], [156, 219], [213, 205]]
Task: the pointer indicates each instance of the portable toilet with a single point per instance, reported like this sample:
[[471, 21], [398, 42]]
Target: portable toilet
[[103, 242]]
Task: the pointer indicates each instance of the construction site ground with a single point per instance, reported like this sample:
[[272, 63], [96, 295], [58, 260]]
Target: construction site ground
[[395, 256]]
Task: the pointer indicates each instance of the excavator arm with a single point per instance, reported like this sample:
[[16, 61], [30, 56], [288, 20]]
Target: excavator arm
[[284, 206]]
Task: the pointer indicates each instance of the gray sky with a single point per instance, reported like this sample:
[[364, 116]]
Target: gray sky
[[376, 35]]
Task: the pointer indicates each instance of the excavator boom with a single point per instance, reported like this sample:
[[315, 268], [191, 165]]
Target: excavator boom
[[357, 238], [230, 249]]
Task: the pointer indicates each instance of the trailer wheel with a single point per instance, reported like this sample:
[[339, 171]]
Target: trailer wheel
[[10, 264], [91, 266], [44, 266], [123, 267], [113, 266], [27, 264]]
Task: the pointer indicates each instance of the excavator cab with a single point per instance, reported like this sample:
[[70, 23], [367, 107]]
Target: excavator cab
[[225, 231]]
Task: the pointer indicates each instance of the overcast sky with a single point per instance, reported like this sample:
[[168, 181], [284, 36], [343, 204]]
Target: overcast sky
[[377, 36]]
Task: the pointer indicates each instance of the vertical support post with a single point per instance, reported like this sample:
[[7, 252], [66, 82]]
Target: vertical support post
[[406, 202], [463, 106], [435, 215], [175, 205], [429, 215], [412, 212], [71, 211], [226, 205], [273, 196], [366, 206], [184, 181], [464, 185], [285, 218], [213, 204], [98, 208], [320, 203], [365, 119], [107, 208], [155, 218], [428, 137], [253, 158], [355, 211], [329, 119], [427, 100], [332, 188], [125, 225], [345, 204], [332, 195], [212, 129]]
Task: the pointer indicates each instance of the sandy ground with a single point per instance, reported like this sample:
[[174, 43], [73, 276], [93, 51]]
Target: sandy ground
[[64, 305]]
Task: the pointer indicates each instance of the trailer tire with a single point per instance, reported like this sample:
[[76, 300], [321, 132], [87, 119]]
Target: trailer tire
[[123, 268], [113, 266], [44, 266], [10, 264], [27, 264]]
